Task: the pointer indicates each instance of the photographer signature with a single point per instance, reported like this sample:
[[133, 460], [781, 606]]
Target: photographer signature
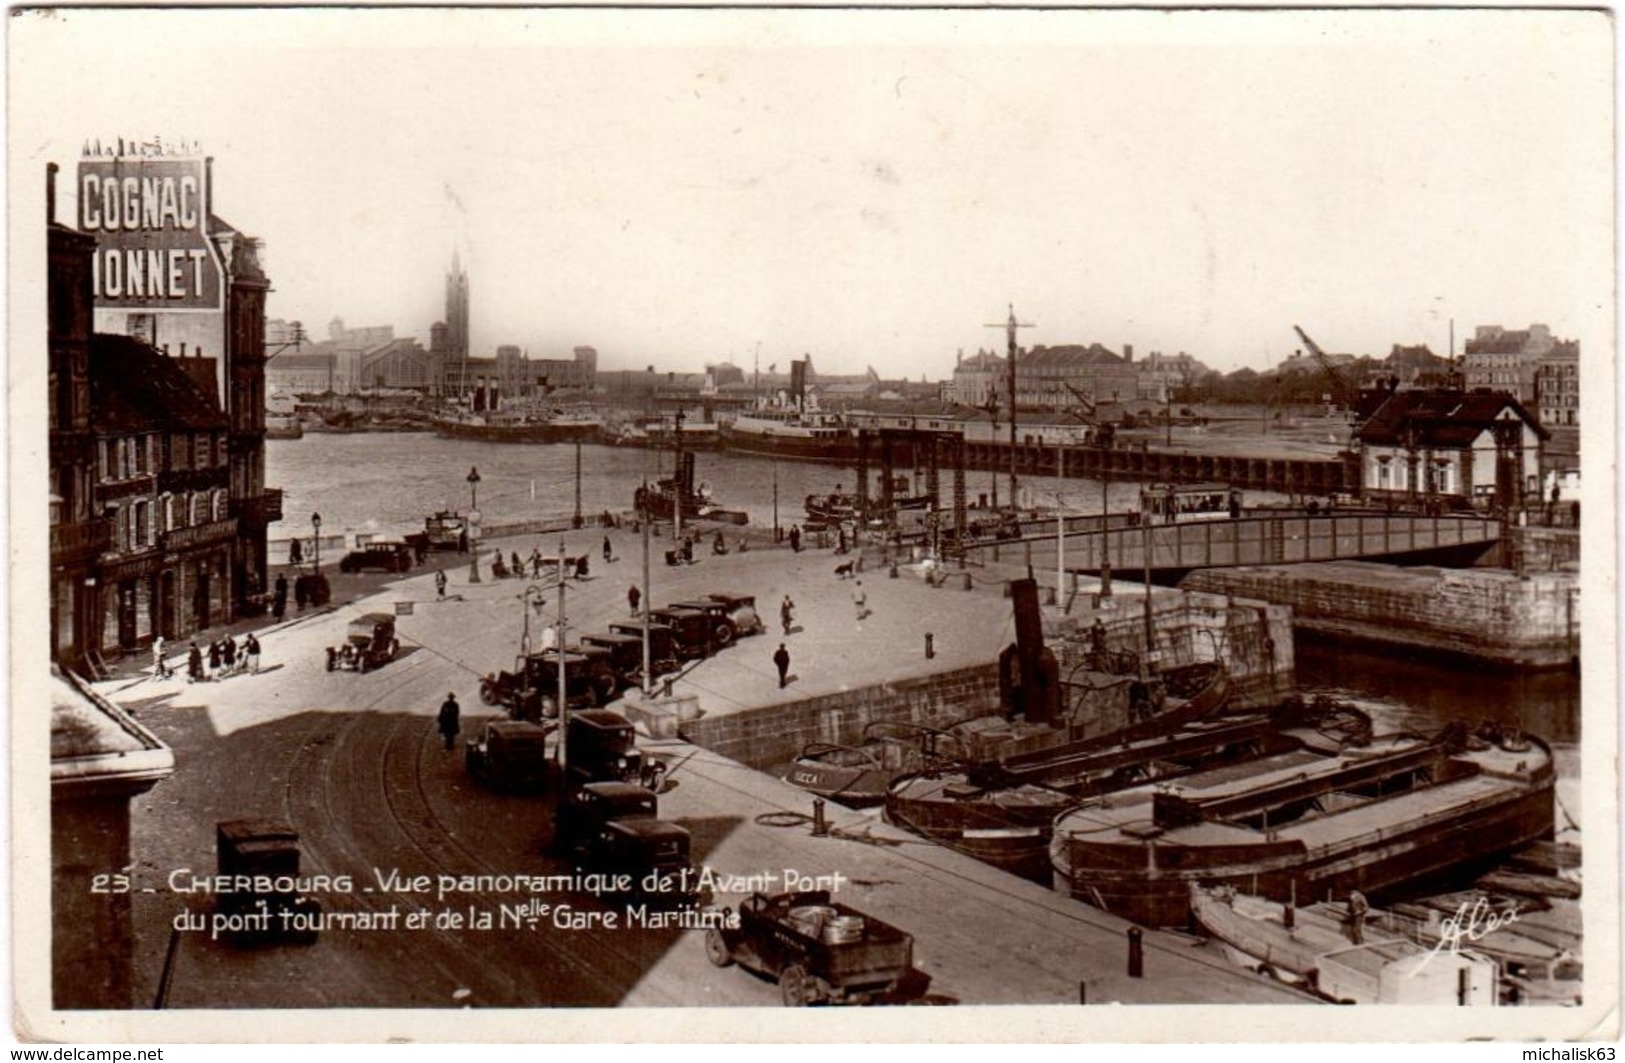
[[1471, 922]]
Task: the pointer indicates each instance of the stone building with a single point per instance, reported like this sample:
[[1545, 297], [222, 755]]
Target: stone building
[[1509, 359], [1047, 378]]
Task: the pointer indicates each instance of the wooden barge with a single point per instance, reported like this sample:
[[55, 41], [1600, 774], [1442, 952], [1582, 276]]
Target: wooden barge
[[1303, 825]]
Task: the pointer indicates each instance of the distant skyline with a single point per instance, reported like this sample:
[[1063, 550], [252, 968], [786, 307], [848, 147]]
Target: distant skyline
[[874, 188]]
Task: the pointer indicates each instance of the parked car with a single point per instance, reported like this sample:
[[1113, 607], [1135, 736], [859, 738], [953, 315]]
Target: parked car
[[694, 631], [741, 613], [378, 556], [626, 656], [817, 949], [509, 755], [721, 615], [614, 827], [369, 641], [531, 690], [662, 642]]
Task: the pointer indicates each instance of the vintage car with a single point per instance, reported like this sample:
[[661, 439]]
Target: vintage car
[[613, 827], [728, 622], [662, 642], [531, 690], [369, 641], [626, 656], [818, 950], [695, 632], [741, 612], [263, 855], [509, 755], [385, 556]]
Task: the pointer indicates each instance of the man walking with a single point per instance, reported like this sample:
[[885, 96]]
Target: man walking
[[633, 597], [160, 670], [449, 720], [279, 598], [860, 601], [609, 551], [795, 538], [251, 651], [787, 613], [440, 582], [781, 661]]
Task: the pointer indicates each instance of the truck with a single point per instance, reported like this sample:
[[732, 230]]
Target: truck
[[600, 746], [818, 950], [614, 828], [531, 690], [260, 859]]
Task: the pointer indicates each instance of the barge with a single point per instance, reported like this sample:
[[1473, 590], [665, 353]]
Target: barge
[[1304, 825]]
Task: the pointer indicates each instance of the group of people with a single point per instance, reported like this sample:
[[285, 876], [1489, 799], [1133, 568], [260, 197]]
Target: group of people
[[224, 657]]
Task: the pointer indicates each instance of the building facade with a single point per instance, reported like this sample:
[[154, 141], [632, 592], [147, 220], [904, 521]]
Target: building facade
[[1474, 447], [160, 512], [1509, 359]]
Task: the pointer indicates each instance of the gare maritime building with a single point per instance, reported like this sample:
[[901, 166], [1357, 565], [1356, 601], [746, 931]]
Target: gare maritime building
[[158, 510]]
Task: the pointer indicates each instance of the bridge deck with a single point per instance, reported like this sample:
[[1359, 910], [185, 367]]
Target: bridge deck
[[1259, 540]]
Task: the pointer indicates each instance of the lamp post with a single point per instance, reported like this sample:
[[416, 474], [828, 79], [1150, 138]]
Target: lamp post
[[316, 539], [473, 525], [775, 500]]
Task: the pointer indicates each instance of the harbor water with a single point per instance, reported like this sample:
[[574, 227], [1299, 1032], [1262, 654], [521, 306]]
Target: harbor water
[[385, 483]]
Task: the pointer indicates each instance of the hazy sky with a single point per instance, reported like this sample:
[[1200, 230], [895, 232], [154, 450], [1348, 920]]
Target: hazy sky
[[873, 188]]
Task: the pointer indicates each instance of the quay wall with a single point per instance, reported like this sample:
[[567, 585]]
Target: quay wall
[[775, 734], [1482, 614], [1534, 549], [1253, 638]]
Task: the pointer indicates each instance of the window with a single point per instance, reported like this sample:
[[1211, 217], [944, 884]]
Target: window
[[141, 523]]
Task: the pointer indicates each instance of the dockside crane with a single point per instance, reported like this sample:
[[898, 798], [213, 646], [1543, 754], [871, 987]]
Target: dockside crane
[[1344, 392]]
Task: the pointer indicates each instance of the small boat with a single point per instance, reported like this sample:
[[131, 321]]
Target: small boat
[[838, 508], [283, 426], [1306, 824], [1317, 949], [857, 775]]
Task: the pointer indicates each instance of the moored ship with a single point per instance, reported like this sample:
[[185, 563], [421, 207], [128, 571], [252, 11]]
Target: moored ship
[[1305, 825], [517, 426], [792, 434]]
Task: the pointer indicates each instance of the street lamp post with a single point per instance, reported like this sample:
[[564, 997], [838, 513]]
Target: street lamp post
[[775, 500], [316, 539], [473, 525]]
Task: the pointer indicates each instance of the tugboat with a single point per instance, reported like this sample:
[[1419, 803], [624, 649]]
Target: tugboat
[[1305, 824], [665, 498], [838, 507]]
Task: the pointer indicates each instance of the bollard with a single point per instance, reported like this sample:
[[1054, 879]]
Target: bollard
[[930, 649], [1136, 952], [820, 826], [1083, 992]]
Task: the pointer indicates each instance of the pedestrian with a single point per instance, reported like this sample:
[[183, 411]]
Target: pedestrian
[[1097, 645], [160, 670], [860, 600], [228, 654], [795, 538], [279, 599], [609, 551], [550, 638], [251, 652], [633, 596], [581, 567], [449, 720], [214, 659], [840, 541], [535, 563], [296, 552], [194, 664], [1358, 907], [518, 566], [440, 582], [301, 592], [787, 613], [781, 661]]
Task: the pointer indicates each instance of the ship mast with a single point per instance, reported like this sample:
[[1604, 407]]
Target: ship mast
[[1010, 327]]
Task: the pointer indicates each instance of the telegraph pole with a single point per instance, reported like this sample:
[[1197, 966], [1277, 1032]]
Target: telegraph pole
[[564, 701], [1010, 327], [648, 666]]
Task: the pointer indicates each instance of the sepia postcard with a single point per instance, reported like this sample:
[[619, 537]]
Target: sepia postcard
[[1098, 523]]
